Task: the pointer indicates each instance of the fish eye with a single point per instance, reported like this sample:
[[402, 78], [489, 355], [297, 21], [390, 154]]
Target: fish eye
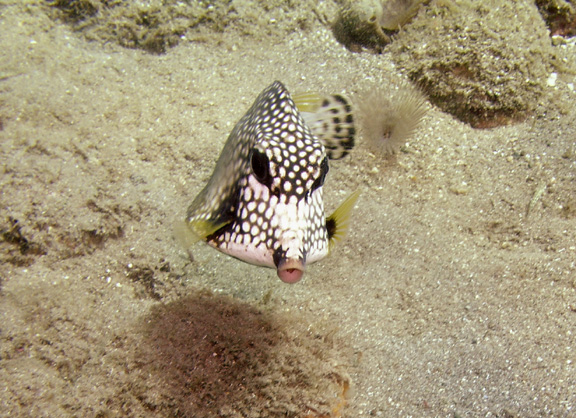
[[319, 182], [260, 166]]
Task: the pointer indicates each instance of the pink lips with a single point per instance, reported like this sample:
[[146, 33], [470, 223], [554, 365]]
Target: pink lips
[[291, 271]]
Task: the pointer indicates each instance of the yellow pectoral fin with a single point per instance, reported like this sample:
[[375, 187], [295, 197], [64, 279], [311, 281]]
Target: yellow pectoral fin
[[308, 102], [189, 233], [337, 223], [185, 235], [206, 228]]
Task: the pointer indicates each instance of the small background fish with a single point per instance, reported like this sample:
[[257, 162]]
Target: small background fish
[[263, 203]]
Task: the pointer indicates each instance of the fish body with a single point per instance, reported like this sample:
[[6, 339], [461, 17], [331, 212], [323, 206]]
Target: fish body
[[263, 203]]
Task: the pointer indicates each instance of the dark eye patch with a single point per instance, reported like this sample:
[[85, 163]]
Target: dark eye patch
[[261, 167], [319, 182]]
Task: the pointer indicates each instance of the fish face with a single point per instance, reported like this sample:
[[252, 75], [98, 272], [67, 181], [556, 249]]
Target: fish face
[[263, 203], [279, 214]]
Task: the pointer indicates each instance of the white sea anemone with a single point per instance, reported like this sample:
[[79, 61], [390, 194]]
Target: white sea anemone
[[390, 117]]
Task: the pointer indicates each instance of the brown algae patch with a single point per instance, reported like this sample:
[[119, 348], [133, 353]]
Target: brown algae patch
[[218, 357]]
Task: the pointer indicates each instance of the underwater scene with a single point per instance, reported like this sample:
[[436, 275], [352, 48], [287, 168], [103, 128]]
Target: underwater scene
[[288, 208]]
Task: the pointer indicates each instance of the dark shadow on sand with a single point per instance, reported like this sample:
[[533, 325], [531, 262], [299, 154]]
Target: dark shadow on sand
[[211, 351], [215, 356]]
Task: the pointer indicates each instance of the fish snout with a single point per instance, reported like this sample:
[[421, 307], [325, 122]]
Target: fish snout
[[291, 270]]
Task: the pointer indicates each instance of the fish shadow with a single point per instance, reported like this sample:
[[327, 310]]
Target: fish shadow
[[212, 353], [216, 356]]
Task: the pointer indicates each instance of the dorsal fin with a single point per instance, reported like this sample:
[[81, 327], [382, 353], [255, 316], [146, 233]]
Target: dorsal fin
[[331, 120]]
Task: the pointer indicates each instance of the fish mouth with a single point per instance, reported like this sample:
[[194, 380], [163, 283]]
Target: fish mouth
[[291, 271]]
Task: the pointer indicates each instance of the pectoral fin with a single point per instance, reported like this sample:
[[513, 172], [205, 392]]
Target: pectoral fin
[[189, 233], [337, 224]]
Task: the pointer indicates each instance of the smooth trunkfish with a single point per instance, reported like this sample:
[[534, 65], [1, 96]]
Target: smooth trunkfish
[[263, 203]]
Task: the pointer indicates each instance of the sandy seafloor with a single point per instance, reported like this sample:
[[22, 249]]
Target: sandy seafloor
[[445, 300]]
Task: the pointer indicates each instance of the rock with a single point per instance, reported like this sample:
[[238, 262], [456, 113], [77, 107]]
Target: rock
[[486, 63]]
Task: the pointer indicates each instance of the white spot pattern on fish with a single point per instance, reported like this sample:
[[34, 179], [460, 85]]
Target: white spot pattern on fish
[[263, 203]]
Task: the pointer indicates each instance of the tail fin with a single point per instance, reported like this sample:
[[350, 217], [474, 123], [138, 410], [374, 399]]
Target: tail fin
[[330, 119]]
